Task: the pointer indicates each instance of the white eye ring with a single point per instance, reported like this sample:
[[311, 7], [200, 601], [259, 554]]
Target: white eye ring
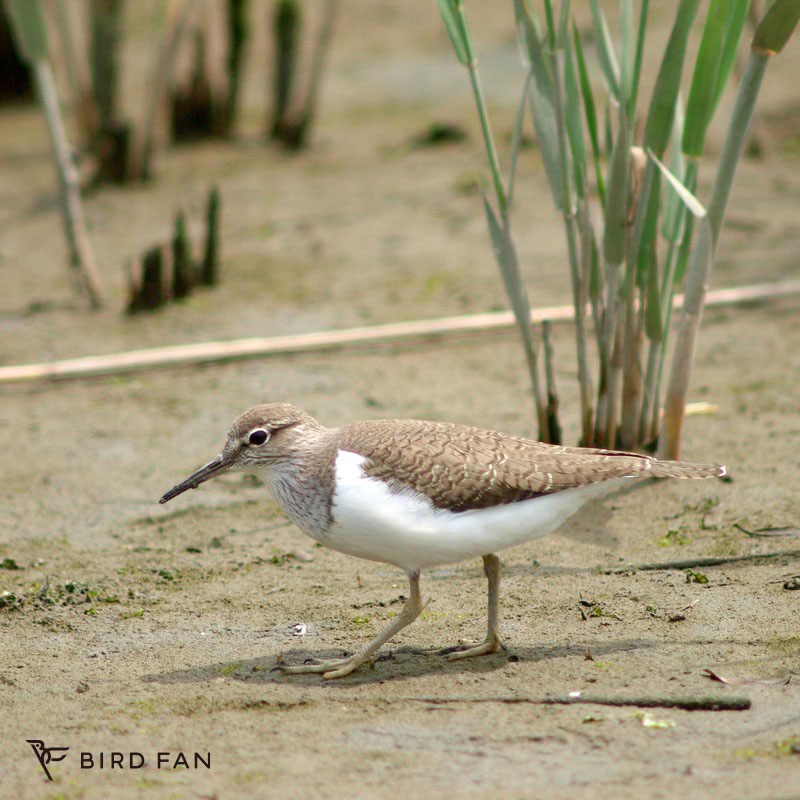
[[257, 437]]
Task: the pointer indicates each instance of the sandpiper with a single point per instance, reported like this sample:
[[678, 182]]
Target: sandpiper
[[420, 494]]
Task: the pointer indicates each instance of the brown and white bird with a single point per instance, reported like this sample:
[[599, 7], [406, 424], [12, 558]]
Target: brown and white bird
[[420, 494]]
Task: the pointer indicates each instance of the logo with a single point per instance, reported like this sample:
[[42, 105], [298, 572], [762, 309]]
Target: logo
[[46, 755], [119, 760]]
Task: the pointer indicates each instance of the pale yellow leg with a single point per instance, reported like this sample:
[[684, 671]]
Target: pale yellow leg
[[341, 667], [491, 567]]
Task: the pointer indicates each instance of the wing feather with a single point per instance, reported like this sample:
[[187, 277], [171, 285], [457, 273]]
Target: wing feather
[[461, 468]]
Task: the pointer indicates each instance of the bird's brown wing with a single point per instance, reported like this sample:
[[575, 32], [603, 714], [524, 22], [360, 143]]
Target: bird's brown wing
[[462, 468]]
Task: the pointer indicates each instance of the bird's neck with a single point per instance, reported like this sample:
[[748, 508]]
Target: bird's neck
[[302, 480]]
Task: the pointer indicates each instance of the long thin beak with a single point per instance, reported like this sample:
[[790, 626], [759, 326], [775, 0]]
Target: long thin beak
[[216, 467]]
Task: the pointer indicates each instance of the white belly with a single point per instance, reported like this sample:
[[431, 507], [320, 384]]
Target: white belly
[[404, 528]]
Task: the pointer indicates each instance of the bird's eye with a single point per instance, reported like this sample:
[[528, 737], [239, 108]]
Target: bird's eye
[[258, 437]]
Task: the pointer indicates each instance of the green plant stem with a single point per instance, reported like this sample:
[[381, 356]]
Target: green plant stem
[[516, 141], [648, 420], [523, 320], [570, 225], [488, 139], [615, 236], [703, 256], [632, 391], [614, 386]]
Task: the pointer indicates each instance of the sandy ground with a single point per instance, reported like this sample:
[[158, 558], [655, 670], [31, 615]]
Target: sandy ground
[[138, 628]]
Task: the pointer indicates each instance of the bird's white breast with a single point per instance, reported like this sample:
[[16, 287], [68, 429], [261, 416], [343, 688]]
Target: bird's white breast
[[370, 520]]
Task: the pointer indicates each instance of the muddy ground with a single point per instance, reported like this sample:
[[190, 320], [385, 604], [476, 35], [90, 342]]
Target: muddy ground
[[132, 627]]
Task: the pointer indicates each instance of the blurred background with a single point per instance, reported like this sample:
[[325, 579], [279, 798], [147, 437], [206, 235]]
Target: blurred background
[[343, 142]]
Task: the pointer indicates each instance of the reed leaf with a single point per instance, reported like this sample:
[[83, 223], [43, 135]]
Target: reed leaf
[[730, 46], [29, 27], [658, 127], [449, 10], [589, 113], [608, 131], [551, 25], [637, 63], [572, 118], [563, 25], [715, 59], [593, 260], [665, 91], [672, 214], [540, 98], [651, 206], [777, 26], [516, 138], [557, 59], [703, 253], [701, 91], [506, 256], [605, 49], [687, 198], [616, 205], [654, 323], [626, 52]]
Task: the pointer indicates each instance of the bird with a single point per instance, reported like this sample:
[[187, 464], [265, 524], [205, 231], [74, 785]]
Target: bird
[[419, 494]]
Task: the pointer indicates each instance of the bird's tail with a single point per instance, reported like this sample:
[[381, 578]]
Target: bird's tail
[[683, 469]]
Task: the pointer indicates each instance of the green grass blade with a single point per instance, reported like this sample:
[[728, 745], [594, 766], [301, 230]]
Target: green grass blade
[[529, 31], [657, 131], [506, 257], [637, 64], [605, 49], [684, 249], [609, 131], [616, 205], [649, 227], [777, 26], [563, 25], [540, 97], [452, 24], [708, 78], [672, 215], [661, 112], [595, 275], [652, 313], [689, 200], [551, 28], [29, 28], [697, 274], [626, 53], [589, 112], [730, 47], [701, 92], [516, 137], [572, 120]]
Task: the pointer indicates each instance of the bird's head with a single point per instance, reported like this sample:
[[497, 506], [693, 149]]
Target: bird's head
[[261, 438]]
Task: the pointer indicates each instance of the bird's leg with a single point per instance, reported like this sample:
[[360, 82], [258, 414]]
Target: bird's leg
[[491, 567], [341, 667]]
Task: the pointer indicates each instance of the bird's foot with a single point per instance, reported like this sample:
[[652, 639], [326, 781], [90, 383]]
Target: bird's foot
[[329, 669], [490, 645]]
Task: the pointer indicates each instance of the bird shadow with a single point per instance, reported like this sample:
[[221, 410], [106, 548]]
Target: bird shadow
[[396, 664]]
